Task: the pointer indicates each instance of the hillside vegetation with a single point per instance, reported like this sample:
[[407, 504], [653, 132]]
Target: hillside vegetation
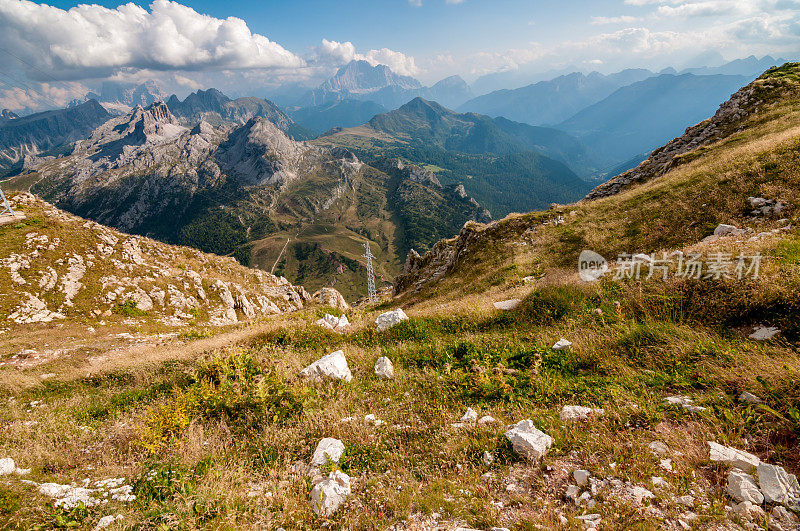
[[631, 379]]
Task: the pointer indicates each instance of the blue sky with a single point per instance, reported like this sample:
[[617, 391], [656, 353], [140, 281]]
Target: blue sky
[[64, 47]]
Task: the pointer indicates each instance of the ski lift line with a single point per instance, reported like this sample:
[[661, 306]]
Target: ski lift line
[[29, 88], [23, 61]]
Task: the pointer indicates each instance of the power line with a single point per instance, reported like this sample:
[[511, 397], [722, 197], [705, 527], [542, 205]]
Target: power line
[[29, 88]]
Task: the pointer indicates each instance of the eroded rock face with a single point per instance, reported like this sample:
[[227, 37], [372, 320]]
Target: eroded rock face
[[330, 297], [528, 441], [777, 485], [742, 487]]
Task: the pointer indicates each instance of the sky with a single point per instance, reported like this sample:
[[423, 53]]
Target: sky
[[53, 52]]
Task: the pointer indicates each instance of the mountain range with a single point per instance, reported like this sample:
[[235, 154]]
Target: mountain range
[[246, 190], [38, 134], [120, 97]]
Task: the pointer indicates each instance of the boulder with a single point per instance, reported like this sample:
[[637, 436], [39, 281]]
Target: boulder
[[486, 420], [384, 368], [777, 485], [732, 457], [569, 413], [748, 511], [784, 517], [389, 319], [742, 487], [470, 415], [749, 398], [528, 441], [327, 448], [581, 477], [330, 297], [331, 322], [658, 448], [507, 305], [330, 493], [333, 366], [7, 466], [764, 333], [727, 230], [562, 344]]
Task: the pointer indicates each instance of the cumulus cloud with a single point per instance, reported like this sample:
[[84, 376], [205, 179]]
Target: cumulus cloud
[[623, 19], [40, 96], [339, 53], [92, 41]]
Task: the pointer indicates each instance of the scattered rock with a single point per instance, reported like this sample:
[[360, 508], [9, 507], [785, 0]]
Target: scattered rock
[[507, 305], [329, 494], [561, 344], [748, 511], [685, 402], [723, 230], [330, 297], [332, 366], [659, 482], [581, 477], [742, 487], [572, 413], [470, 415], [732, 457], [389, 319], [658, 448], [528, 441], [106, 521], [778, 486], [749, 398], [331, 322], [764, 333], [486, 420], [7, 466], [488, 459], [785, 518], [327, 449], [688, 501], [384, 368]]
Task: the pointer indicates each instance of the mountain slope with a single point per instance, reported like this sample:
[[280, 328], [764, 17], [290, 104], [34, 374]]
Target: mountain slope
[[245, 191], [37, 133], [642, 116], [345, 113], [215, 108], [552, 101]]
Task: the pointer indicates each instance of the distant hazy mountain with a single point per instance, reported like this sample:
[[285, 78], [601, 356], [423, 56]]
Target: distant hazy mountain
[[37, 133], [214, 107], [512, 79], [642, 116], [749, 67], [359, 80], [119, 97], [507, 166], [550, 102], [346, 113]]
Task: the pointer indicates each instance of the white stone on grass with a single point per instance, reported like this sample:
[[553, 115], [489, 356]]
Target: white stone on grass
[[580, 413], [659, 482], [742, 487], [389, 319], [7, 466], [486, 420], [332, 366], [658, 448], [470, 415], [778, 486], [749, 511], [581, 477], [528, 441], [384, 368], [327, 449], [561, 344], [764, 333], [330, 493], [507, 305], [732, 457], [750, 398]]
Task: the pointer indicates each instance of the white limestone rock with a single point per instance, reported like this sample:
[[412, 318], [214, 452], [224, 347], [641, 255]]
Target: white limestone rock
[[384, 368], [7, 466], [486, 420], [510, 304], [732, 457], [470, 415], [327, 448], [333, 366], [749, 398], [581, 477], [528, 441], [562, 344], [764, 333], [742, 487], [389, 319], [574, 413], [329, 494], [330, 297], [778, 486]]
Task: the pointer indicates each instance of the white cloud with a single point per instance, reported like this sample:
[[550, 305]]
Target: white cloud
[[339, 53], [40, 96], [92, 41], [623, 19], [415, 3]]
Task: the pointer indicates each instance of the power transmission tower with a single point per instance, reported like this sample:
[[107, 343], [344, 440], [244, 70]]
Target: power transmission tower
[[371, 294], [5, 207]]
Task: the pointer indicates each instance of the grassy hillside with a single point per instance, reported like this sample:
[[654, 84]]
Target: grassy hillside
[[218, 432]]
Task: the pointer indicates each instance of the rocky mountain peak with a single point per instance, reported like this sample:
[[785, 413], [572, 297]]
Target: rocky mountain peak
[[360, 76], [7, 114]]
